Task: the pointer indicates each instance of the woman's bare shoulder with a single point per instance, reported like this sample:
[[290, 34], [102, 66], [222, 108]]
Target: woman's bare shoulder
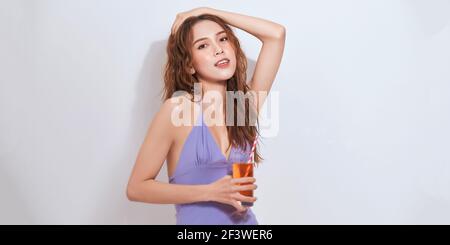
[[173, 107], [176, 102]]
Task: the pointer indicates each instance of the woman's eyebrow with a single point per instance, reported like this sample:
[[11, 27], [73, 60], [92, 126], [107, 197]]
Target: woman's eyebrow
[[203, 38]]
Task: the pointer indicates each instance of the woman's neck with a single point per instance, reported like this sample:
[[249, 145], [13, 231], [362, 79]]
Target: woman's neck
[[217, 92], [218, 87]]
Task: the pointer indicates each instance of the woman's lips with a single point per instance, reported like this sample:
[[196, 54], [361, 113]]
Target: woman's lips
[[223, 65]]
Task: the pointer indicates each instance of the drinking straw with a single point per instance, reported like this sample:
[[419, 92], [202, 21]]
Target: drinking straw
[[252, 154]]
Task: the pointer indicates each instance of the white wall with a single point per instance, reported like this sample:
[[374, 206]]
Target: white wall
[[364, 110]]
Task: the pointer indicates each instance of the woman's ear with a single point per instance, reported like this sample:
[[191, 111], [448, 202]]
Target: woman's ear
[[192, 71]]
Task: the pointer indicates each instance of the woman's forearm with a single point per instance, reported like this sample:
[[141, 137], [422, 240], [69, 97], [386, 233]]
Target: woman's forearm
[[152, 191], [262, 29]]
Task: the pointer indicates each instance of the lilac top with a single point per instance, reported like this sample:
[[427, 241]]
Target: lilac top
[[202, 162]]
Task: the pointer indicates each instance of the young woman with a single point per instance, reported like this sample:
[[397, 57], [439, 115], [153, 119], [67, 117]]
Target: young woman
[[202, 49]]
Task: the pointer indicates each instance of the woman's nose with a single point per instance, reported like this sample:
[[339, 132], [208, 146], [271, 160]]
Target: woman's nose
[[219, 52]]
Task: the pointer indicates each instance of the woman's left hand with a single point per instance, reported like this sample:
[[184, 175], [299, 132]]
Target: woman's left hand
[[184, 15]]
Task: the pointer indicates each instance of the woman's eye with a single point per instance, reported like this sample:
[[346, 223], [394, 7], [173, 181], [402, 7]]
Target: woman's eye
[[222, 39]]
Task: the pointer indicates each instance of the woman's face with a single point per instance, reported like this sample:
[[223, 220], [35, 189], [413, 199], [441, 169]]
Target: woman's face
[[210, 45]]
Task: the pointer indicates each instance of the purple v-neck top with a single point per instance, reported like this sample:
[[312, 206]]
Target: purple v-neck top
[[202, 162]]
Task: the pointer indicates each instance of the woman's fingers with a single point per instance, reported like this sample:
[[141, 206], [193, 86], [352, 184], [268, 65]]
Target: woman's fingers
[[243, 198], [249, 187], [239, 213], [226, 190], [238, 206], [178, 20], [243, 180]]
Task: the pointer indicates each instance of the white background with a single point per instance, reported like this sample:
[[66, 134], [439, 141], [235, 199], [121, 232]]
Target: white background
[[364, 120]]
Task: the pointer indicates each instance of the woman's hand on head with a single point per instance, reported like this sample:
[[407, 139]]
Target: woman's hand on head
[[184, 15], [226, 190]]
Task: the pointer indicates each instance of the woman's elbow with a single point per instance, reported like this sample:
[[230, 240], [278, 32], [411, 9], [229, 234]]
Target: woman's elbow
[[278, 34], [281, 34], [131, 193]]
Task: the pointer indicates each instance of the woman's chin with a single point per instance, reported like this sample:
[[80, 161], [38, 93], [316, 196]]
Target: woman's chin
[[219, 76], [223, 80], [224, 75]]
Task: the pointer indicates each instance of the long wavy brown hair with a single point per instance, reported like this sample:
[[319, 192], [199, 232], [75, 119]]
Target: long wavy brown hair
[[178, 78]]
